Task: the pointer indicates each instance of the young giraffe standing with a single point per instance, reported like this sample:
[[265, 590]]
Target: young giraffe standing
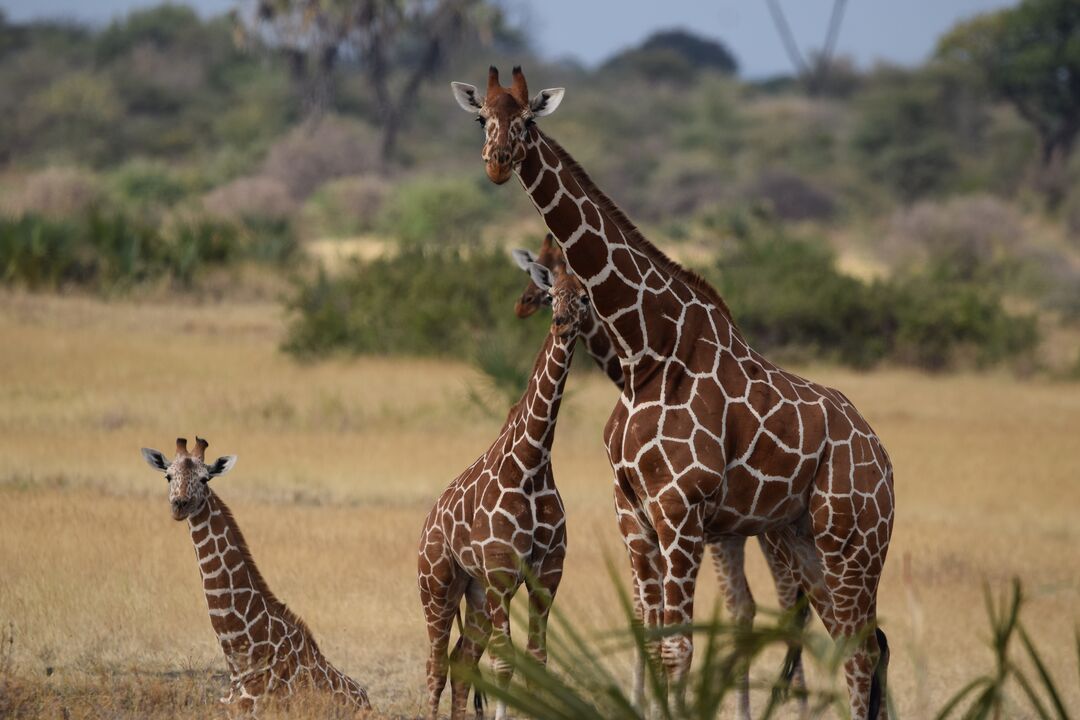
[[268, 648], [501, 522], [708, 438], [728, 551]]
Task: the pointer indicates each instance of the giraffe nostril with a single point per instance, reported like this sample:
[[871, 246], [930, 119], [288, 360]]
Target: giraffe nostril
[[560, 319]]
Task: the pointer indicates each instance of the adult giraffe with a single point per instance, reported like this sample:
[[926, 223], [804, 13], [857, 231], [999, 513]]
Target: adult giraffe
[[728, 551], [708, 438]]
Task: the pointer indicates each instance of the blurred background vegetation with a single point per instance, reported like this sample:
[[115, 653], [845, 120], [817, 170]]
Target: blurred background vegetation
[[925, 216]]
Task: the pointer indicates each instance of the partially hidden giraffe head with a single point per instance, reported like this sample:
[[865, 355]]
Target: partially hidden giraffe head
[[569, 301], [187, 475], [551, 257], [504, 114]]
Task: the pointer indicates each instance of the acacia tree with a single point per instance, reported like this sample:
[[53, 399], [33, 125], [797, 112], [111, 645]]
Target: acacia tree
[[1029, 56], [815, 72], [397, 44]]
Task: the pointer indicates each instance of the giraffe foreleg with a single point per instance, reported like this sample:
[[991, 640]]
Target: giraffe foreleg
[[682, 546], [643, 552], [729, 559], [542, 592], [501, 586], [465, 659], [438, 663]]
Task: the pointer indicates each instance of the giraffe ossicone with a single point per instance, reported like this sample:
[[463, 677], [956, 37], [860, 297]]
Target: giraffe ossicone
[[270, 652], [709, 438], [500, 524]]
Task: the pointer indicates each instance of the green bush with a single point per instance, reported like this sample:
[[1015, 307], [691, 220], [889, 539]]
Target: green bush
[[110, 252], [441, 302], [150, 184], [430, 212], [786, 294], [902, 137], [939, 319]]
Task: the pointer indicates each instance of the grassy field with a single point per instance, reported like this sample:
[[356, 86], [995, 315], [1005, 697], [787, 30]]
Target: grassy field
[[340, 460]]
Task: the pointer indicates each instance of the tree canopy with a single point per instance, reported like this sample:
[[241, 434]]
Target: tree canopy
[[1028, 56]]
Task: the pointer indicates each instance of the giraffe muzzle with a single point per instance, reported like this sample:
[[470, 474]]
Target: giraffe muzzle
[[179, 509], [499, 172]]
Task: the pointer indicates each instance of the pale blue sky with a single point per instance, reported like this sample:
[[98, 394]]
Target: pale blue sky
[[899, 31]]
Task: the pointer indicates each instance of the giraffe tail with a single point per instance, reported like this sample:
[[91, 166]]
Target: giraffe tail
[[876, 681]]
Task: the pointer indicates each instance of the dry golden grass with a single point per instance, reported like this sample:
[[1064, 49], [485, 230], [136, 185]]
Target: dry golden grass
[[340, 460]]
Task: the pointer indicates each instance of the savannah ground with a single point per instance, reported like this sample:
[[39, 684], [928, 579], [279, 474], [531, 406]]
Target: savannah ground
[[341, 459]]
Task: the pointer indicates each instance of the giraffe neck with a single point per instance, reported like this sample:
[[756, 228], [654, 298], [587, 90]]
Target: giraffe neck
[[598, 345], [534, 417], [240, 603], [638, 293]]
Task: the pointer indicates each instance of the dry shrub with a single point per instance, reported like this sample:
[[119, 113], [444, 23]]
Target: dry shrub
[[256, 196], [684, 184], [791, 197], [57, 192], [175, 71], [347, 206], [967, 232], [308, 155], [1072, 216]]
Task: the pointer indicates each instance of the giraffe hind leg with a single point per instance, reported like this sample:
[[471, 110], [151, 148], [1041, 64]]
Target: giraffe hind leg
[[729, 556]]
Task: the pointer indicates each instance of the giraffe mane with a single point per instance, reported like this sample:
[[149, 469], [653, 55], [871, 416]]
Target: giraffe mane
[[257, 580], [690, 278]]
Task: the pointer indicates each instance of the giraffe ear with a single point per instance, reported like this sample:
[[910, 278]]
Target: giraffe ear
[[545, 101], [523, 258], [155, 459], [222, 465], [541, 276], [465, 95]]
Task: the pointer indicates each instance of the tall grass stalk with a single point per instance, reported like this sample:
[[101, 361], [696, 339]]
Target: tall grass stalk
[[580, 680]]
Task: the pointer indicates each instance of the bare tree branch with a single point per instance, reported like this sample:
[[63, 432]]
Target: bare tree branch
[[787, 38], [815, 76]]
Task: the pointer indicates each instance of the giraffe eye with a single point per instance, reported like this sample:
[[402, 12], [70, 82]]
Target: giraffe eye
[[168, 477], [482, 120]]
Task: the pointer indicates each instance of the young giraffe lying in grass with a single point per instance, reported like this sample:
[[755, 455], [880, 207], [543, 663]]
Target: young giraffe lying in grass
[[501, 523], [268, 648]]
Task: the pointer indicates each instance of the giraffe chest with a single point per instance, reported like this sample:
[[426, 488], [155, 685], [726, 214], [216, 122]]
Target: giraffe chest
[[491, 523], [740, 444]]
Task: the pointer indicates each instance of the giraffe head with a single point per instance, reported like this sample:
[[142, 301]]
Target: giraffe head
[[551, 257], [569, 301], [188, 475], [504, 113]]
